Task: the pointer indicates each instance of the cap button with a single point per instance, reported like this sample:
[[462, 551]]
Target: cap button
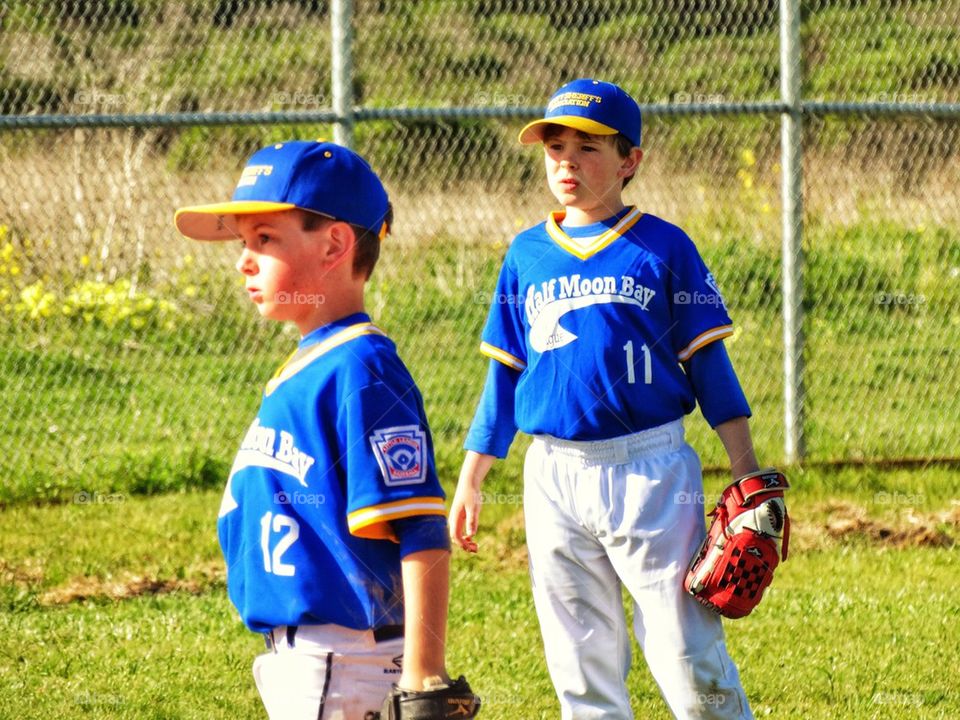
[[278, 146]]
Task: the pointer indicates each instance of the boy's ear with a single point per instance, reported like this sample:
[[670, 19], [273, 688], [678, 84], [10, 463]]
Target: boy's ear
[[631, 162], [341, 241]]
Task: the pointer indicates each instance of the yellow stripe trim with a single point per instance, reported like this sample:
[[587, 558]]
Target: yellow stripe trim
[[703, 339], [288, 370], [502, 356], [533, 132], [373, 522], [571, 246], [216, 221]]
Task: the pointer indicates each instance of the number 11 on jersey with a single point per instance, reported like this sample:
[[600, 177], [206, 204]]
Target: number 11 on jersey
[[647, 364]]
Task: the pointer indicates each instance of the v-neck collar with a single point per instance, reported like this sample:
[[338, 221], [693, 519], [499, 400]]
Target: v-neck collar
[[319, 342], [584, 248]]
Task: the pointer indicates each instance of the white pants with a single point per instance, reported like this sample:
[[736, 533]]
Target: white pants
[[329, 673], [630, 511]]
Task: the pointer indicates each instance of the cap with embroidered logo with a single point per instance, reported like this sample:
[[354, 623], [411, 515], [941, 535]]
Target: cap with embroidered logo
[[318, 176], [592, 106]]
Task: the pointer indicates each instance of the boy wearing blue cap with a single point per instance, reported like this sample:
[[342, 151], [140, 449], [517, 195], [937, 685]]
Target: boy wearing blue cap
[[598, 352], [333, 523]]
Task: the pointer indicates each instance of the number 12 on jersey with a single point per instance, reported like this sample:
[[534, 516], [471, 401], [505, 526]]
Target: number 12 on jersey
[[271, 524], [647, 364]]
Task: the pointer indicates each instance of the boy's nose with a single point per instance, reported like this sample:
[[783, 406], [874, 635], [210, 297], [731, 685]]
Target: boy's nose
[[245, 263]]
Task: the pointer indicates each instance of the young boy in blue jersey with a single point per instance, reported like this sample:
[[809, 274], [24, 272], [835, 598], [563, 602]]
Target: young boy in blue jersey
[[608, 332], [333, 523]]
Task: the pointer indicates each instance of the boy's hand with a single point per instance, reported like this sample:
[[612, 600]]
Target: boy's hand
[[467, 501], [465, 516]]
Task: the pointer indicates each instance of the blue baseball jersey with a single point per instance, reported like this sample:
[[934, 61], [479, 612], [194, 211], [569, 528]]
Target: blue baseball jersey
[[340, 448], [599, 323]]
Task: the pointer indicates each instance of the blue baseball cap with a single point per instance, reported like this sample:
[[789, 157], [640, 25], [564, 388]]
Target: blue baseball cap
[[592, 106], [318, 176]]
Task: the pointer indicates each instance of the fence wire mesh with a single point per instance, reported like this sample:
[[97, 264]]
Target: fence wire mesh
[[131, 361]]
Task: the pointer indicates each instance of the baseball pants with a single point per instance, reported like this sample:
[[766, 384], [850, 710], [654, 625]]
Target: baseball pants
[[623, 512], [328, 672]]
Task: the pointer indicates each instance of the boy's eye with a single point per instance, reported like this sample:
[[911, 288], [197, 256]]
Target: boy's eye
[[264, 239]]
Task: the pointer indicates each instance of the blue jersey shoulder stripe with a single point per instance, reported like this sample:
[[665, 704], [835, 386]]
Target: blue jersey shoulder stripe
[[703, 339], [491, 351], [374, 522], [289, 369], [583, 252]]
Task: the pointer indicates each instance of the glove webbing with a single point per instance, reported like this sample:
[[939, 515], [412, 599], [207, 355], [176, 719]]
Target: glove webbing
[[749, 491]]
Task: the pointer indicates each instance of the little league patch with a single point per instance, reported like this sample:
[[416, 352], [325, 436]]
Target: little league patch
[[400, 452]]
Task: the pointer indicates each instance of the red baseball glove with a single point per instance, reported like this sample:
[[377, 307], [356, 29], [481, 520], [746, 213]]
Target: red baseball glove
[[744, 545]]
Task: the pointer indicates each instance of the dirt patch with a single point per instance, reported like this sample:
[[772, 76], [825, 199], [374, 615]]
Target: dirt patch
[[846, 521], [510, 542], [198, 579], [812, 528], [29, 573]]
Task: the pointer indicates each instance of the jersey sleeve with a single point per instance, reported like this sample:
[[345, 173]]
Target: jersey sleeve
[[494, 424], [699, 312], [387, 454], [503, 335], [716, 385]]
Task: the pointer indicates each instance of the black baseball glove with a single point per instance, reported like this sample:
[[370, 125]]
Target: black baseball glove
[[455, 700]]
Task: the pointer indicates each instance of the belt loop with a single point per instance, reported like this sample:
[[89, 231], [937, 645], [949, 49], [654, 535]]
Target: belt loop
[[620, 450]]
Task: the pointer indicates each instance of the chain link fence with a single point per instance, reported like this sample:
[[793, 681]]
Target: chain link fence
[[131, 361]]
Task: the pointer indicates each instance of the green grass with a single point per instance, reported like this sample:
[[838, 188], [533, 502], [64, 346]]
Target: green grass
[[833, 637]]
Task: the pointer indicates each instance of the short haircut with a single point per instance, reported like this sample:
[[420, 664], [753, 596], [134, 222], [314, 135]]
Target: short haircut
[[621, 142], [367, 250]]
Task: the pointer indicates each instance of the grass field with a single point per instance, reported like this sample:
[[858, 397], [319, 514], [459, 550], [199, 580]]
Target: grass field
[[116, 608], [131, 365]]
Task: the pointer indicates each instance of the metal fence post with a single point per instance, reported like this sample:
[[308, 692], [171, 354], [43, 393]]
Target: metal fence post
[[792, 182], [341, 19]]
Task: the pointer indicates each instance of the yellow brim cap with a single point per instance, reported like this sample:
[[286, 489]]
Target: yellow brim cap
[[533, 132], [215, 222]]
